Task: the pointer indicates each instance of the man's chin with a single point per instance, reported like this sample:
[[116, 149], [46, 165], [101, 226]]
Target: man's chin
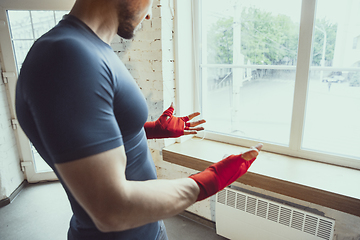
[[129, 34], [126, 35]]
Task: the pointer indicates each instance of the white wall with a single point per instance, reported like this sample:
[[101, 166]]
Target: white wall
[[10, 173]]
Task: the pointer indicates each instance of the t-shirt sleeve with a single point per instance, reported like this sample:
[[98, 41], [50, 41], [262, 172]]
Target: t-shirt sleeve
[[70, 93]]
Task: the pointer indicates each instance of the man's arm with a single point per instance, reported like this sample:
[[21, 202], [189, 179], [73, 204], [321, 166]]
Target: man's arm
[[98, 183]]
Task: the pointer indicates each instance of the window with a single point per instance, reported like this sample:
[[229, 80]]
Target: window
[[284, 73]]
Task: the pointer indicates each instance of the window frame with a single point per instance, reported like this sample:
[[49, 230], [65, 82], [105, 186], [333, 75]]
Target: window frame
[[303, 68]]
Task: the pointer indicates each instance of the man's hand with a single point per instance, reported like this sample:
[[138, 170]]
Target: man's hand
[[169, 126], [223, 173]]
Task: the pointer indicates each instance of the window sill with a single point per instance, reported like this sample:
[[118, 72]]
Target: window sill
[[326, 185]]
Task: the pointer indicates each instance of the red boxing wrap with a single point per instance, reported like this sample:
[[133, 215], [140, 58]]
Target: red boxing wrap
[[167, 126], [220, 175]]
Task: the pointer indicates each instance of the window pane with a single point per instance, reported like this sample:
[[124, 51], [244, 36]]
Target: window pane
[[333, 101], [43, 21], [255, 32], [246, 100], [21, 48], [20, 25], [259, 108]]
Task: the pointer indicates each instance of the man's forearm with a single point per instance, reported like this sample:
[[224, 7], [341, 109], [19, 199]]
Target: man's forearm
[[145, 202]]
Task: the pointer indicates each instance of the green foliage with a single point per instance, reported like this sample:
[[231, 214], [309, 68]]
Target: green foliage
[[265, 39], [330, 29], [220, 42]]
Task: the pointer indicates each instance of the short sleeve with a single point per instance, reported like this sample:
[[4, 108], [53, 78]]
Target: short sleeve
[[69, 91]]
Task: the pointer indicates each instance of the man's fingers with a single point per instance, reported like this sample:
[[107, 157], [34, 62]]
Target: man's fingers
[[196, 123], [193, 130], [259, 146], [253, 152], [188, 132], [195, 114], [250, 154]]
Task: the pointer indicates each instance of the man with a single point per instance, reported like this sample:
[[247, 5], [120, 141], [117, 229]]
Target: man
[[84, 113]]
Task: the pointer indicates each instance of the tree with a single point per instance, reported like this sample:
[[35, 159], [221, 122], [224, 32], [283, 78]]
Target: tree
[[220, 42], [318, 42], [266, 39]]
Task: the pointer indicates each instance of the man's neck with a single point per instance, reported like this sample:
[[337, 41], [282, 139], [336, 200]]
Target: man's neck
[[101, 18]]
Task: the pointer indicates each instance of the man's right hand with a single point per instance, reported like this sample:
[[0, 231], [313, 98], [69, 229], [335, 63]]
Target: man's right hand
[[223, 173]]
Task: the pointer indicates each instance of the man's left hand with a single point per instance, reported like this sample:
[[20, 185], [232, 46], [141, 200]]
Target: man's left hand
[[169, 126]]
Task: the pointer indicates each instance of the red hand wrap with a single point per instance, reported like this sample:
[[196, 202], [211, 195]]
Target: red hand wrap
[[220, 175], [167, 128]]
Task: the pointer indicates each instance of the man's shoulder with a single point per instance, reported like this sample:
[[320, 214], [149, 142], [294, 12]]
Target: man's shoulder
[[62, 39], [61, 44]]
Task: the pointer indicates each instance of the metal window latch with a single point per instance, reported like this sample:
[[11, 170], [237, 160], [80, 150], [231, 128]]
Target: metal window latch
[[6, 75], [14, 123], [25, 164]]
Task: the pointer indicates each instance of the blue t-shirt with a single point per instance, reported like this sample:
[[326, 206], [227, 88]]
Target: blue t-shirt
[[75, 98]]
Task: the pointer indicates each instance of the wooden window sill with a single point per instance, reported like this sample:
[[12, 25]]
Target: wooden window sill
[[323, 184]]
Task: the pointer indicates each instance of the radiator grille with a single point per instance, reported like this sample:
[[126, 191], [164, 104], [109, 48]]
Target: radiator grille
[[289, 216], [230, 199], [324, 229], [222, 197], [273, 212], [251, 205], [285, 216], [310, 224], [241, 202], [261, 209], [297, 220]]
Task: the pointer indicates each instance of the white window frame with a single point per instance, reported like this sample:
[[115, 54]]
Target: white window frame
[[10, 76], [187, 58]]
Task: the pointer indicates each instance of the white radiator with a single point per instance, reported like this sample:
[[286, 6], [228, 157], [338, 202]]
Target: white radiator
[[241, 216]]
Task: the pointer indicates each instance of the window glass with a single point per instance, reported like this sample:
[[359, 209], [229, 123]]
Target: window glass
[[332, 122], [259, 109], [21, 47], [42, 21], [258, 40], [20, 25]]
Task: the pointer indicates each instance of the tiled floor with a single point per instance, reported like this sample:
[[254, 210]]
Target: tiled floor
[[42, 212]]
